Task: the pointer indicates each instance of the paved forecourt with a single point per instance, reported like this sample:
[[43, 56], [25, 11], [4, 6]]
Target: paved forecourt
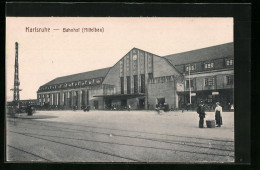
[[119, 136]]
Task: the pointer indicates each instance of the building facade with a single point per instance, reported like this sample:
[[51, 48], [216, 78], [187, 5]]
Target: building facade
[[143, 80]]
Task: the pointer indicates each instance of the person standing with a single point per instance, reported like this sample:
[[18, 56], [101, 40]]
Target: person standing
[[182, 106], [129, 107], [29, 110], [201, 112], [218, 115]]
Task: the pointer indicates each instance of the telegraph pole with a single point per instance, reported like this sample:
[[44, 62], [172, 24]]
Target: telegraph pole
[[189, 84], [16, 95]]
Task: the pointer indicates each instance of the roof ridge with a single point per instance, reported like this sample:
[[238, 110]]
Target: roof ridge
[[82, 72], [198, 49], [62, 77]]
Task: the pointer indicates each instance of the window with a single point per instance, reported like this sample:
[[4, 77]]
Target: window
[[122, 85], [135, 84], [229, 80], [128, 84], [142, 83], [209, 82], [209, 99], [64, 98], [83, 96], [208, 65], [189, 84], [191, 66], [229, 62]]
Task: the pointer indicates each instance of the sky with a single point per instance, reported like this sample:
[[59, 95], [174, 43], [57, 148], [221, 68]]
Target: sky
[[44, 56]]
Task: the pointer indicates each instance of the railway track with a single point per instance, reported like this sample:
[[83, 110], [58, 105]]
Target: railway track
[[186, 141]]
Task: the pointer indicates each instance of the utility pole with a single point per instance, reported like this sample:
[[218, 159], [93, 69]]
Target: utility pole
[[16, 95], [189, 84]]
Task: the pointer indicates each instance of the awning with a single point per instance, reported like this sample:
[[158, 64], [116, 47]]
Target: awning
[[121, 96]]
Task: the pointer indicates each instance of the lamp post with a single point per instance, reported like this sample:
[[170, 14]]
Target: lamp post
[[189, 84]]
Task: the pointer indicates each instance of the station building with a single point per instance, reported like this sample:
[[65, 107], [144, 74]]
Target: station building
[[142, 79]]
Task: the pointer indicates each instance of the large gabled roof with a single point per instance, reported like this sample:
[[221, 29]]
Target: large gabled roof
[[203, 54], [80, 76]]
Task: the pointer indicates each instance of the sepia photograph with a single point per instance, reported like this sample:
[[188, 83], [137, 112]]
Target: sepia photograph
[[120, 89]]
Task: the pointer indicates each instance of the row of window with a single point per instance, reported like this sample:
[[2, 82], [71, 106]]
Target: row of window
[[65, 98], [128, 84], [210, 81], [73, 84], [208, 65]]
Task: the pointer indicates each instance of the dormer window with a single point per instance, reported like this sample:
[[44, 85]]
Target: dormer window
[[229, 62], [190, 67], [208, 65]]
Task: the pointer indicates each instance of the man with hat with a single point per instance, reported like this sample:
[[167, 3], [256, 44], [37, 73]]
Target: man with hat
[[201, 112]]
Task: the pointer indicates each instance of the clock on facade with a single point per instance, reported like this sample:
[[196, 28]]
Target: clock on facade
[[134, 57]]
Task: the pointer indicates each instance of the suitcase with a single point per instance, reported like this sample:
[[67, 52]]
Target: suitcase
[[211, 123]]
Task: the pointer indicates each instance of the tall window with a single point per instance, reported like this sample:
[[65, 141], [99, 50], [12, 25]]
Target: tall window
[[70, 98], [135, 84], [122, 85], [208, 65], [87, 97], [83, 97], [229, 62], [65, 98], [189, 84], [128, 84], [59, 99], [54, 99], [209, 81], [229, 80], [76, 98], [142, 83]]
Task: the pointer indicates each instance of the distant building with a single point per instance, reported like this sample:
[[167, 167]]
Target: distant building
[[23, 102], [144, 80]]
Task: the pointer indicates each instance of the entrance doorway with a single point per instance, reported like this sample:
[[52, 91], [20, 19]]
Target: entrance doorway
[[108, 104], [95, 104], [141, 103], [161, 101], [123, 103]]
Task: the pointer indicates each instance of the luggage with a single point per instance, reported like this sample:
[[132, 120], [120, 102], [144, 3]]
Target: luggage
[[211, 123]]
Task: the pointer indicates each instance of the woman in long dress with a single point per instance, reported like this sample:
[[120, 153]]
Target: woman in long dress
[[218, 115]]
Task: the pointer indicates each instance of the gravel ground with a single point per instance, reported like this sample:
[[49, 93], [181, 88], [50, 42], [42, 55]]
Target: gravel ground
[[119, 136]]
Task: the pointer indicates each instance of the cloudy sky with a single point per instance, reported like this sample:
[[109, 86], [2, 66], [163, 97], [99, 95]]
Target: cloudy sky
[[44, 56]]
